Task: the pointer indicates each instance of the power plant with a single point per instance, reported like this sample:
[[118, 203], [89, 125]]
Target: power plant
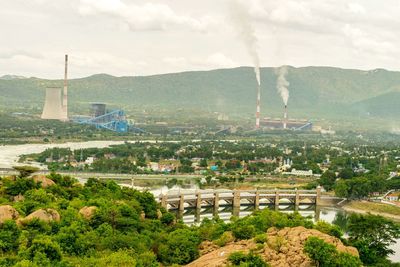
[[54, 108]]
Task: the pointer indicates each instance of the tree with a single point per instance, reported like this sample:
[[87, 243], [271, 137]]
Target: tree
[[346, 173], [372, 235], [180, 247], [25, 171], [326, 255], [327, 180], [203, 163], [341, 189], [9, 234]]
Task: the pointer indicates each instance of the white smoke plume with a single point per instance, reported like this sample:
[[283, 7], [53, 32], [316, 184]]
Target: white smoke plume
[[242, 21], [282, 84]]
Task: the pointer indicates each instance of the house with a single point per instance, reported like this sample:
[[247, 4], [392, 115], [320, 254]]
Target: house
[[392, 197], [89, 160]]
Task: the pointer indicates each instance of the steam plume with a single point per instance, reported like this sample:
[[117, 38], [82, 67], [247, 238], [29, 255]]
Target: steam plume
[[282, 84], [242, 21]]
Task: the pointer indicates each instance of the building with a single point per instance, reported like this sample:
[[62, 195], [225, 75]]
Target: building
[[291, 124]]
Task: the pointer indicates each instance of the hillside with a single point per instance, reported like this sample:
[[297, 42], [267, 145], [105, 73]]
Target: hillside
[[314, 92]]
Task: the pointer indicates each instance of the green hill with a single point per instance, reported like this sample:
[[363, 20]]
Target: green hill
[[314, 92]]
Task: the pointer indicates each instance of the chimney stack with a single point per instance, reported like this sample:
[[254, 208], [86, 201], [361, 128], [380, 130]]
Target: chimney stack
[[258, 107], [65, 92], [285, 118]]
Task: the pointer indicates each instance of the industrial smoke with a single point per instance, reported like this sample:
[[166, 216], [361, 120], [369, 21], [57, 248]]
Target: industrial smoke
[[242, 21], [282, 84]]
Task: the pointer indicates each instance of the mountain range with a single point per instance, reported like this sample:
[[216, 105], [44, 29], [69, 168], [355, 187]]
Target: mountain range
[[315, 92]]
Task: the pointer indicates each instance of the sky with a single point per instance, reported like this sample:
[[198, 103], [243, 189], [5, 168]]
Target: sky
[[132, 38]]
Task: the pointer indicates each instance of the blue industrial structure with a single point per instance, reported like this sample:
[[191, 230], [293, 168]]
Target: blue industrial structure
[[114, 120]]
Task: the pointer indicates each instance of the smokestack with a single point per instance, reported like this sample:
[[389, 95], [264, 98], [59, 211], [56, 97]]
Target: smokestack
[[258, 108], [52, 109], [285, 118], [65, 92]]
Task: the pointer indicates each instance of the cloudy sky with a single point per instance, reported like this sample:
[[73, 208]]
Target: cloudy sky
[[132, 37]]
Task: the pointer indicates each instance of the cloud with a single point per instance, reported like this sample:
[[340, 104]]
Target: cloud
[[213, 61], [19, 53], [145, 17]]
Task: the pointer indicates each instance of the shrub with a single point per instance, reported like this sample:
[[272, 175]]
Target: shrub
[[248, 260]]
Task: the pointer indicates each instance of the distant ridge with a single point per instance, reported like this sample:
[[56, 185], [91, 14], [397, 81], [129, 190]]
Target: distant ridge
[[314, 91], [12, 77]]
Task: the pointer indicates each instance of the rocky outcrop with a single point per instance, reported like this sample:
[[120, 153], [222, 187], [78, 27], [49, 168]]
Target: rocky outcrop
[[218, 257], [7, 212], [87, 212], [43, 180], [284, 248], [46, 215]]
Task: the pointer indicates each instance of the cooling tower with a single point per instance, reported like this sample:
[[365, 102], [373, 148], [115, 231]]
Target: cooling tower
[[52, 109]]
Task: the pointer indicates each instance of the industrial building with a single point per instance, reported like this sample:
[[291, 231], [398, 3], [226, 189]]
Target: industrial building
[[114, 120], [291, 124]]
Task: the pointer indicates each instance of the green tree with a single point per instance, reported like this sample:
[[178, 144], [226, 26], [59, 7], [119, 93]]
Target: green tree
[[326, 255], [180, 247], [372, 235], [327, 180]]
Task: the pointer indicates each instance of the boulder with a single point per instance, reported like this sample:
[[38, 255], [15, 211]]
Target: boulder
[[7, 212], [46, 215], [45, 182], [87, 212]]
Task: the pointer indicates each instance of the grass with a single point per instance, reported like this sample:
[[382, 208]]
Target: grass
[[375, 207]]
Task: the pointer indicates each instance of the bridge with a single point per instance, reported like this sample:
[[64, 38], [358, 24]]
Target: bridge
[[236, 198]]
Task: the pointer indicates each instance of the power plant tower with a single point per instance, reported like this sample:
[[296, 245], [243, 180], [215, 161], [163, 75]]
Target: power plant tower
[[65, 92], [52, 109], [285, 118], [258, 107]]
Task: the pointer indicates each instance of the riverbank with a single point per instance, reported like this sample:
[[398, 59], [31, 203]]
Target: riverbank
[[384, 210]]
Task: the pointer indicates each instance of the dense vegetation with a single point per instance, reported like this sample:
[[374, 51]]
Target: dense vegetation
[[127, 229]]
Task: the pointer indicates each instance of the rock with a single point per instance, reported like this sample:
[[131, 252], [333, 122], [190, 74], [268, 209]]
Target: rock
[[284, 249], [19, 198], [87, 212], [159, 214], [7, 212], [46, 215], [45, 182]]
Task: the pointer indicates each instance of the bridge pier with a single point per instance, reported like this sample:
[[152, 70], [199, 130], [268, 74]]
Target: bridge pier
[[198, 200], [276, 202], [236, 199], [216, 203], [132, 182], [297, 200], [318, 196], [181, 203], [164, 199], [257, 200]]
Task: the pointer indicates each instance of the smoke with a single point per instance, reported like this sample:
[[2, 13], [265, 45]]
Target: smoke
[[242, 21], [282, 84]]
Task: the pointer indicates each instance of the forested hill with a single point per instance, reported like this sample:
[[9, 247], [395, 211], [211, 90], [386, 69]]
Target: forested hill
[[314, 91]]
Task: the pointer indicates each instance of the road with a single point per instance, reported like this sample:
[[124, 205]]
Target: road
[[113, 176]]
